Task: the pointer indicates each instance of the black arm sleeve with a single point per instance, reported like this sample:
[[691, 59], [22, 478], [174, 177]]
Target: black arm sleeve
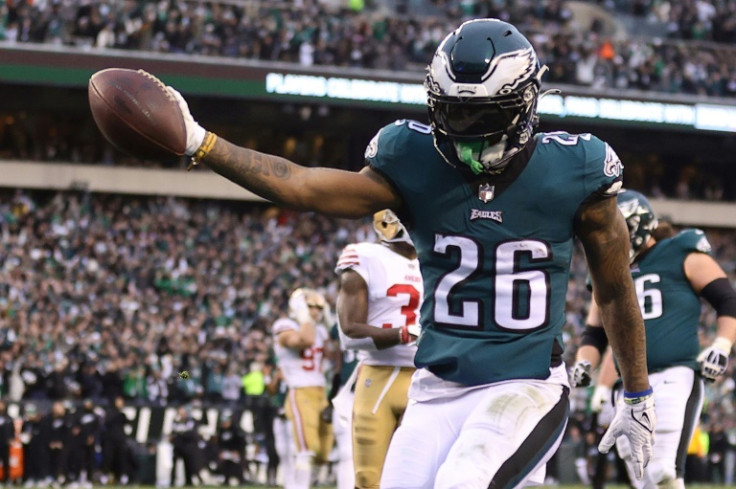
[[722, 296], [595, 336]]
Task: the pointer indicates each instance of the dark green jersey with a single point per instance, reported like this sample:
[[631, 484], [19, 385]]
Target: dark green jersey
[[494, 250], [669, 306]]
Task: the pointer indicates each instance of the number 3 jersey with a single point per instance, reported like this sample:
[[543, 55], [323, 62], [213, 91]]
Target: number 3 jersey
[[395, 291], [495, 250], [301, 368]]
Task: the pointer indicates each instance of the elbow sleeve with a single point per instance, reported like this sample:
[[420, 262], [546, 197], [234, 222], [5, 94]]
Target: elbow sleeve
[[595, 336], [722, 296]]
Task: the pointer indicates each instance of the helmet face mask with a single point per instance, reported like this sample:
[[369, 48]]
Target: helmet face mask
[[480, 118], [483, 85], [389, 228], [640, 219]]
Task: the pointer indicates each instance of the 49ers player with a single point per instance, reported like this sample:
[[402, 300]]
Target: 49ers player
[[300, 345], [378, 312]]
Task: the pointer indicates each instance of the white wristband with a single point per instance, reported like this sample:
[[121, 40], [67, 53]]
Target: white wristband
[[723, 343]]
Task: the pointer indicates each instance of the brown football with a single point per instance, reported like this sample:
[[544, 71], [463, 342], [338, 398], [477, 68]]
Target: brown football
[[136, 113]]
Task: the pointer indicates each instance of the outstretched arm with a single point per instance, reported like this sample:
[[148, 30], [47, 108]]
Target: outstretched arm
[[328, 191], [605, 238]]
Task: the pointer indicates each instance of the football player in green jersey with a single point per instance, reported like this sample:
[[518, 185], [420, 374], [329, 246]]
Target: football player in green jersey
[[671, 274], [493, 210]]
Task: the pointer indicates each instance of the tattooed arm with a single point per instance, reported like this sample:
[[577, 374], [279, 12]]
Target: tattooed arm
[[328, 191], [605, 237]]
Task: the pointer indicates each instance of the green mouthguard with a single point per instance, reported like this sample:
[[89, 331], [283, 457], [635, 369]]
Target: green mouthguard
[[466, 155]]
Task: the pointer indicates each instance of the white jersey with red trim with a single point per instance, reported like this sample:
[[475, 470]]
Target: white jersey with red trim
[[395, 291], [301, 368]]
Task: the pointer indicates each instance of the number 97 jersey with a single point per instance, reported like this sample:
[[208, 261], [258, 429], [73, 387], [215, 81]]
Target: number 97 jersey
[[395, 291], [494, 250]]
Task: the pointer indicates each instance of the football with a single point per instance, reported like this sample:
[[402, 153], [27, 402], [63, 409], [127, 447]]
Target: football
[[135, 112]]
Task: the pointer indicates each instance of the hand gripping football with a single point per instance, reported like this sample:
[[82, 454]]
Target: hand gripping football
[[136, 113]]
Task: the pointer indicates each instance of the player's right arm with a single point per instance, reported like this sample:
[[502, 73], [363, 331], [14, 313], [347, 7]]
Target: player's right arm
[[328, 191], [352, 311]]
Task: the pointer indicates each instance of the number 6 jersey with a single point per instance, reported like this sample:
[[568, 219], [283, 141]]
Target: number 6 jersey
[[394, 293], [495, 250]]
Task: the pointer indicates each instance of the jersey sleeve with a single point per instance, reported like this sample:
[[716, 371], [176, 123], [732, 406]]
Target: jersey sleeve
[[353, 257], [690, 240], [394, 150], [603, 168], [284, 324]]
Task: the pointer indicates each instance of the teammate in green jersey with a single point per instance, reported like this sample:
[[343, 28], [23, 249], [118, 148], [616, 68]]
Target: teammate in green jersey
[[492, 210], [671, 274]]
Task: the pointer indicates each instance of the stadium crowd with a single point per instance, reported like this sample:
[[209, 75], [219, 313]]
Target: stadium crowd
[[107, 297], [323, 33]]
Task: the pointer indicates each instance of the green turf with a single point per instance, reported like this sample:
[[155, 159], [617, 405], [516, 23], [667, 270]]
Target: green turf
[[562, 486]]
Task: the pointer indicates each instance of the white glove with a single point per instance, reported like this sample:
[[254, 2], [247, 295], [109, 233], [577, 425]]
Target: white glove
[[600, 398], [195, 132], [581, 374], [298, 308], [714, 359], [408, 334], [635, 419], [414, 330]]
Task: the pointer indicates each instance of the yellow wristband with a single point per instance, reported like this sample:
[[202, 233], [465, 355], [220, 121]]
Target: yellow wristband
[[209, 142]]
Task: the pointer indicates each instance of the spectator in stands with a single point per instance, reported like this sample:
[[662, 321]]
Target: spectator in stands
[[315, 33], [112, 380], [90, 380], [231, 387], [157, 387]]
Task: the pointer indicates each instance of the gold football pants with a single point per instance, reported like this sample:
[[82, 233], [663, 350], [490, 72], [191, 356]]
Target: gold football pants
[[303, 408], [380, 401]]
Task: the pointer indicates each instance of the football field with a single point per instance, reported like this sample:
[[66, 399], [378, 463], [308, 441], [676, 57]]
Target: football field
[[561, 486]]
